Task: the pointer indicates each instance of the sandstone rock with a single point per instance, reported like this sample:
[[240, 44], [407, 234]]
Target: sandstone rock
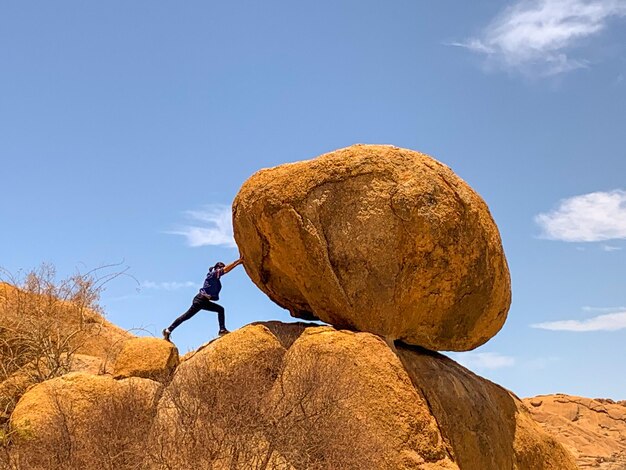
[[86, 363], [594, 431], [378, 239], [85, 421], [150, 358], [252, 343], [486, 426]]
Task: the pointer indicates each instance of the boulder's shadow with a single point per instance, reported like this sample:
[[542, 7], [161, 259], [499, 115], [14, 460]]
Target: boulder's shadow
[[477, 418]]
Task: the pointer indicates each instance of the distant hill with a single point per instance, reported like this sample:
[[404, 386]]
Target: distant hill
[[593, 430]]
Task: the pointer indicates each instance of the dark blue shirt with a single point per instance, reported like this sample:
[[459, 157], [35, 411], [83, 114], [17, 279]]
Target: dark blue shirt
[[212, 284]]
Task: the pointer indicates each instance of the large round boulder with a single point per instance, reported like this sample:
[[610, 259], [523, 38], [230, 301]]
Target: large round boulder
[[380, 239]]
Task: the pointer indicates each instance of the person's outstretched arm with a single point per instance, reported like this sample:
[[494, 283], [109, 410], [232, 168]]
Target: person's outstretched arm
[[233, 265]]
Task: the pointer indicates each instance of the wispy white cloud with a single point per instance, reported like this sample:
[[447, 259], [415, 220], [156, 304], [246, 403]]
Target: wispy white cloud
[[590, 217], [540, 363], [588, 308], [611, 248], [537, 37], [167, 285], [606, 322], [211, 225], [483, 360]]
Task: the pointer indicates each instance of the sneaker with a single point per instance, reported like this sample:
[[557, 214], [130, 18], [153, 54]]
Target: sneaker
[[166, 334], [222, 332]]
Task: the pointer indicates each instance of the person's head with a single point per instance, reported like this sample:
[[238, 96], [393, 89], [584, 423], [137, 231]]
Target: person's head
[[219, 265]]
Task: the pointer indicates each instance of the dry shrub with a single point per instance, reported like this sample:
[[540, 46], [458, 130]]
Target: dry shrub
[[249, 417], [30, 333], [44, 322], [313, 425], [214, 418], [254, 418], [112, 437]]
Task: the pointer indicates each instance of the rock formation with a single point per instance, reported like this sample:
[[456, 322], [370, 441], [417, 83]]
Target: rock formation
[[292, 396], [380, 239], [486, 425], [386, 242], [78, 396], [378, 397], [84, 421], [150, 358], [594, 431]]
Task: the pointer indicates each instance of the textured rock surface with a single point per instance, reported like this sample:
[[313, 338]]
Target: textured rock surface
[[252, 343], [377, 396], [378, 239], [594, 431], [76, 398], [486, 426], [15, 385], [278, 394], [416, 409], [211, 407], [150, 358]]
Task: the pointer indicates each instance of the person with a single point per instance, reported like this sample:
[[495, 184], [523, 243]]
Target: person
[[209, 292]]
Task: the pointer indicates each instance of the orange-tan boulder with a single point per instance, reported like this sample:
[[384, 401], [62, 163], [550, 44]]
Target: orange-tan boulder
[[75, 398], [356, 380], [286, 396], [14, 386], [486, 426], [150, 358], [380, 239], [81, 420], [295, 392], [209, 415], [593, 430]]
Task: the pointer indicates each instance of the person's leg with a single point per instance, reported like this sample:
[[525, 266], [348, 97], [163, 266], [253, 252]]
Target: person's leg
[[213, 307], [196, 306]]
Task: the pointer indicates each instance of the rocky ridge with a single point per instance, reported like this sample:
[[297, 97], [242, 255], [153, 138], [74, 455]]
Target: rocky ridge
[[593, 430]]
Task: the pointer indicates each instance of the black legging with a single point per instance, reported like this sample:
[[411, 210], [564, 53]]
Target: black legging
[[200, 302]]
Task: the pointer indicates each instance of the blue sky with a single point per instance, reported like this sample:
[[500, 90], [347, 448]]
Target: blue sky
[[127, 128]]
